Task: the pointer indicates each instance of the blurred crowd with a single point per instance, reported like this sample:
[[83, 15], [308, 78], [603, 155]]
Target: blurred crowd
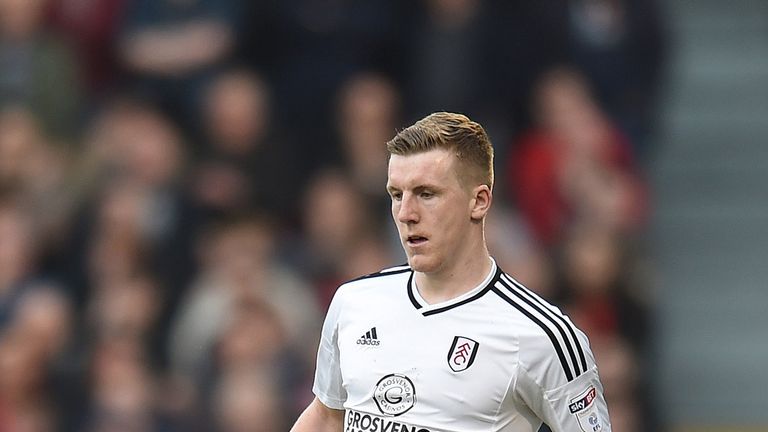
[[184, 183]]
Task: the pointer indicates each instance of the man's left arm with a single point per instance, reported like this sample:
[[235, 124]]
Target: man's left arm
[[577, 405], [565, 403]]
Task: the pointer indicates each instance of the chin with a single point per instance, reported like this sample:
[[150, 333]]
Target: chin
[[423, 264]]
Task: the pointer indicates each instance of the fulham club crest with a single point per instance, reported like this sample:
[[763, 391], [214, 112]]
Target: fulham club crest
[[462, 353]]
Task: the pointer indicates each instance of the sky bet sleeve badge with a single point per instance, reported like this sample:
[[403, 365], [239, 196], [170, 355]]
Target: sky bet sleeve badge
[[585, 411], [462, 353]]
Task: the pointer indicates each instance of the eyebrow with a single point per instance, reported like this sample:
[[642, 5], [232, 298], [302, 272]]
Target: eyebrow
[[417, 189]]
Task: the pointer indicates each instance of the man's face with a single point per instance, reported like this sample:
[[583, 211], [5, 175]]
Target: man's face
[[431, 208]]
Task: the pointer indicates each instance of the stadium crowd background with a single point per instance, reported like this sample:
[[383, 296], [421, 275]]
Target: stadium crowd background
[[183, 184]]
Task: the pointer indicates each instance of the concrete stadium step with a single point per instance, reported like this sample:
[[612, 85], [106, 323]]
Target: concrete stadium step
[[710, 228]]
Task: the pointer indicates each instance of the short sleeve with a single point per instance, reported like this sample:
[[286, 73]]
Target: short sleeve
[[580, 403], [328, 381], [565, 403]]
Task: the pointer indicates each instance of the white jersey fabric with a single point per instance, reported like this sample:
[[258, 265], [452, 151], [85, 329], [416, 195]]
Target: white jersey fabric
[[498, 358]]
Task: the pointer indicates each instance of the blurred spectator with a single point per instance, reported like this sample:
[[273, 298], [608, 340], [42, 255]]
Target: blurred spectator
[[368, 111], [619, 373], [253, 338], [450, 49], [36, 69], [535, 40], [171, 47], [337, 222], [247, 401], [122, 391], [318, 45], [132, 140], [244, 163], [20, 146], [125, 306], [254, 341], [33, 171], [595, 277], [124, 238], [90, 27], [367, 255], [517, 253], [18, 250], [574, 165], [620, 45], [238, 264], [23, 403], [45, 319], [245, 311], [118, 246], [469, 56], [368, 114], [139, 218], [109, 135], [34, 375]]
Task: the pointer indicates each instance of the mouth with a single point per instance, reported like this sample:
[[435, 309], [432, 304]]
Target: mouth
[[415, 240]]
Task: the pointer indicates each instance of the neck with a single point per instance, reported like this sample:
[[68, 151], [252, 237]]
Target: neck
[[460, 278]]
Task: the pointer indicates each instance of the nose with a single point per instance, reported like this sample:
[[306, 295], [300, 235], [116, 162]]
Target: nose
[[407, 211]]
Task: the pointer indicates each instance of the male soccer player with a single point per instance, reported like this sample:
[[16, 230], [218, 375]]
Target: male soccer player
[[449, 342]]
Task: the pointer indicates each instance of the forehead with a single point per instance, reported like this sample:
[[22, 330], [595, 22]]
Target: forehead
[[435, 167]]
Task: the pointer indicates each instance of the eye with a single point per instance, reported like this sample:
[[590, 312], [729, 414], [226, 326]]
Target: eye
[[426, 195], [396, 196]]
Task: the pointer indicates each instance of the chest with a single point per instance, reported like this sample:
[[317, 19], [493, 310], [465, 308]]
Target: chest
[[396, 361]]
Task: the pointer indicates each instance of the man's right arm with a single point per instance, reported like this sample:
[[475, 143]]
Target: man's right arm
[[319, 418], [326, 412]]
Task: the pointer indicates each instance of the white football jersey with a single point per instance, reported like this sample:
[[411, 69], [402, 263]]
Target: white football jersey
[[498, 358]]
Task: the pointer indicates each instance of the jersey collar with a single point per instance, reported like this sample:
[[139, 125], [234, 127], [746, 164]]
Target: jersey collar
[[430, 309]]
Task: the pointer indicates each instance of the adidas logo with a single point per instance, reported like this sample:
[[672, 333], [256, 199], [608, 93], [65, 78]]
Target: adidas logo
[[369, 338]]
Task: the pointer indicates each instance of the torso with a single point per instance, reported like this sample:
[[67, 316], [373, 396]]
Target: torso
[[410, 366]]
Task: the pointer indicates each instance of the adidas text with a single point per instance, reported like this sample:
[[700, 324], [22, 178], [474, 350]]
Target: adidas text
[[369, 338]]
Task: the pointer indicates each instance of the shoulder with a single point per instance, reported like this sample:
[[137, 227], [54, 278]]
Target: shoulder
[[378, 281], [381, 276], [549, 342]]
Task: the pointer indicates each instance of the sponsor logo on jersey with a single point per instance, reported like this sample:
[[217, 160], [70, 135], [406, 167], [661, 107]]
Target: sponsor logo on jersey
[[585, 410], [364, 422], [369, 338], [583, 402], [394, 394], [462, 353]]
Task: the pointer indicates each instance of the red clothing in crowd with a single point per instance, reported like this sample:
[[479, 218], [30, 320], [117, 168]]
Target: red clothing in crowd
[[536, 169]]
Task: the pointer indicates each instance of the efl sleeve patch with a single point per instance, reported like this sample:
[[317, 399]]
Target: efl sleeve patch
[[585, 410], [578, 405]]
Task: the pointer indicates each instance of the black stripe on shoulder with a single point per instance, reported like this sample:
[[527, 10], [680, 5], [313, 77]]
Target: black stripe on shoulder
[[385, 272], [548, 315], [547, 330], [566, 324]]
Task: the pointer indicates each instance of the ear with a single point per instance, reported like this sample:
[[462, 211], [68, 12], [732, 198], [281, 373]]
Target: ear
[[481, 202]]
